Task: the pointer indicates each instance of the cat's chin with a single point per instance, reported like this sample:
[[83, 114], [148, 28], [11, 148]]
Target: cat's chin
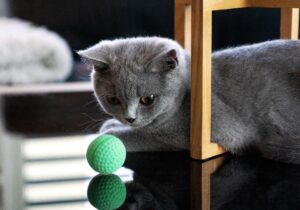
[[135, 125]]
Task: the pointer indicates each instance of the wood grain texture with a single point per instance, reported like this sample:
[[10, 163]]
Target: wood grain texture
[[183, 2], [179, 23], [289, 23], [182, 23], [276, 3], [226, 4], [235, 4], [197, 93], [201, 182], [188, 28], [201, 146]]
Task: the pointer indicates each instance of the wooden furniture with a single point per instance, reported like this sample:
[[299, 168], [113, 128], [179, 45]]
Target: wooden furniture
[[201, 42], [201, 182], [50, 109], [182, 23]]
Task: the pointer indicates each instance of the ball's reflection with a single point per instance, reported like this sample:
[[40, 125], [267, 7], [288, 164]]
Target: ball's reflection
[[106, 192]]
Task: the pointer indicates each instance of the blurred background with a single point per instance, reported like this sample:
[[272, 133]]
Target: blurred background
[[47, 120], [84, 23]]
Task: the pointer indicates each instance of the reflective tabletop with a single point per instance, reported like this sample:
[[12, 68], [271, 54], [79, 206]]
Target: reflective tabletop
[[53, 174]]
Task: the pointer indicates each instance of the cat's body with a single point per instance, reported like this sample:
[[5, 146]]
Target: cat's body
[[255, 95]]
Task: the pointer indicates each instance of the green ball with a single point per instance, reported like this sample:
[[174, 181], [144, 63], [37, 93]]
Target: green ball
[[106, 192], [106, 154]]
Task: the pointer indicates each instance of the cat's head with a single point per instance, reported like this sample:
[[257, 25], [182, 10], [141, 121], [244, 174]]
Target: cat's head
[[137, 80]]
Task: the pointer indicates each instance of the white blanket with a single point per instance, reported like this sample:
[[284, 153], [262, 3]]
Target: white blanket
[[30, 54]]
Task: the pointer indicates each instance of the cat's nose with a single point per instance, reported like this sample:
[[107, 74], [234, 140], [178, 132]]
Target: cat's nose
[[130, 120]]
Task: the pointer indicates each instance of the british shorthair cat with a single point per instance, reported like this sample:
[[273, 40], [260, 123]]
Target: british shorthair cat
[[144, 84]]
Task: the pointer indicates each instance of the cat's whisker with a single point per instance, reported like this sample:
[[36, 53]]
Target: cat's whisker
[[91, 118], [90, 102], [93, 124]]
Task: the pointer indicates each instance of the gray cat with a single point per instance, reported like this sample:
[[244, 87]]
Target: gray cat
[[144, 83]]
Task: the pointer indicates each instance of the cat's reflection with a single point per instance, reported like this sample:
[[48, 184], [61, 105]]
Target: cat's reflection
[[165, 182], [255, 183]]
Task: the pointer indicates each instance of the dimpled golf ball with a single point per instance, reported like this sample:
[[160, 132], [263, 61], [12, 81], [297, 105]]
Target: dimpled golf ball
[[106, 192], [106, 154]]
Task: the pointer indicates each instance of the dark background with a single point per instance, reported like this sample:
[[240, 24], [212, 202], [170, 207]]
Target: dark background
[[85, 22]]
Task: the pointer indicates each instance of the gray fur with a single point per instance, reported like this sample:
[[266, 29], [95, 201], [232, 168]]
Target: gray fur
[[255, 100]]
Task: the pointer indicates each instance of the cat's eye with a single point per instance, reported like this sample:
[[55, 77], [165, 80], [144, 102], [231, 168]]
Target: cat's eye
[[147, 100], [113, 100]]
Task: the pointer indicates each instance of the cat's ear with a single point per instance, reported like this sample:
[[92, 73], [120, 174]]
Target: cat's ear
[[171, 59], [166, 61], [93, 57]]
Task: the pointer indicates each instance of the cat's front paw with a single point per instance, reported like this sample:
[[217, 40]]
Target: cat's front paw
[[111, 126]]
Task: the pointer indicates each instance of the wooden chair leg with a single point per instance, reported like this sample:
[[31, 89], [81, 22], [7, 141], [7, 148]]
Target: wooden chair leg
[[201, 182], [188, 28], [201, 146], [179, 24], [182, 23], [289, 23]]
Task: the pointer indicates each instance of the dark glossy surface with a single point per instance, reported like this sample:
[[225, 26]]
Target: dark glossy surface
[[173, 181], [161, 181], [51, 174]]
